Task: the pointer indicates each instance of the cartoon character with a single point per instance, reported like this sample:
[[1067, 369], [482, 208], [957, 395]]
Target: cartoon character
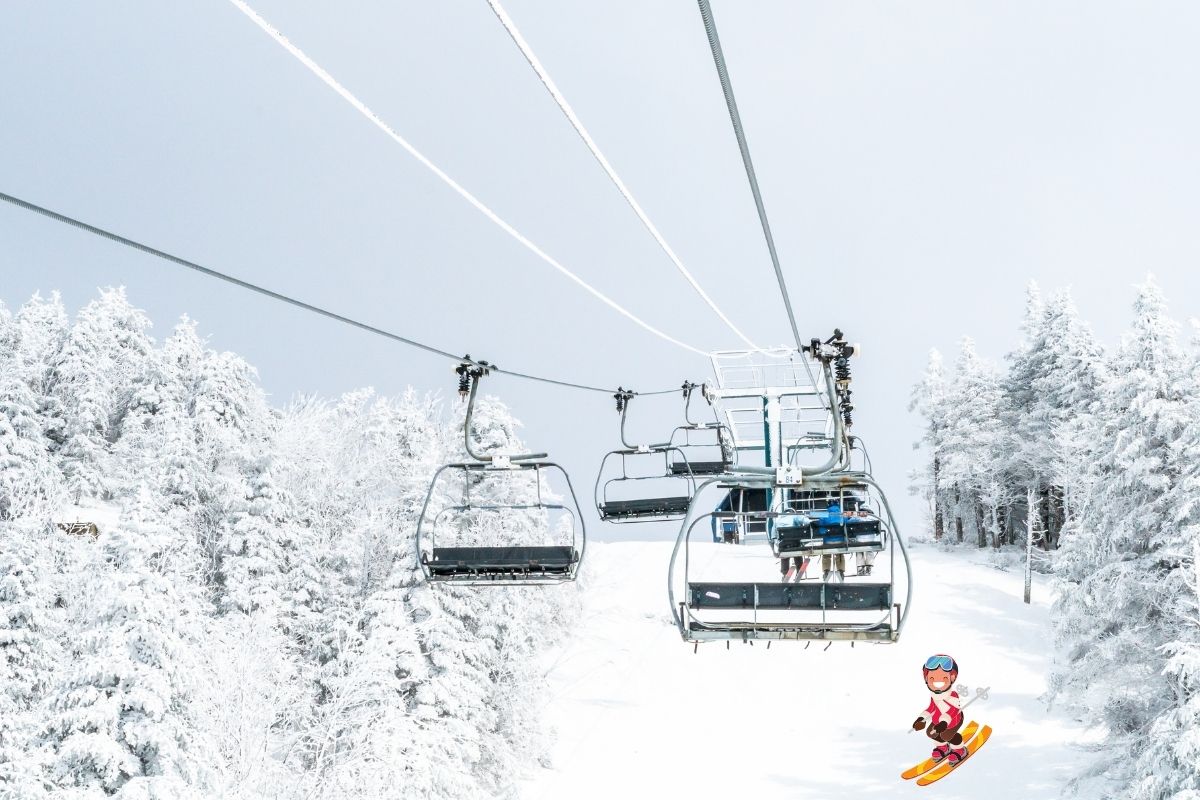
[[943, 717]]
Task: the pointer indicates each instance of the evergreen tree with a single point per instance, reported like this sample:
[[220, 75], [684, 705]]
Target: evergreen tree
[[29, 660], [976, 441], [41, 327], [30, 485], [90, 377], [929, 400], [1122, 555], [253, 552], [123, 716]]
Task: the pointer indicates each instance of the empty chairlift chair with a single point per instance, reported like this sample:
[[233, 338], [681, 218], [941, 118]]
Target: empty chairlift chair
[[638, 483], [503, 526], [702, 448]]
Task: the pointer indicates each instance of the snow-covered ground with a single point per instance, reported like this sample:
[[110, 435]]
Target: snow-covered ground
[[637, 712]]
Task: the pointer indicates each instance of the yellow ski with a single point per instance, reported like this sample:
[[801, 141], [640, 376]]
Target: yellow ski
[[945, 768], [930, 763]]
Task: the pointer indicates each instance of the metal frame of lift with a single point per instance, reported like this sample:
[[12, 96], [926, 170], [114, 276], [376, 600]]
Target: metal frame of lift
[[515, 565], [763, 596], [646, 509]]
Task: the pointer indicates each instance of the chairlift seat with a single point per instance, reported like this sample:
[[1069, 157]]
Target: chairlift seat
[[644, 507], [821, 533], [883, 631], [791, 596], [500, 563], [699, 467]]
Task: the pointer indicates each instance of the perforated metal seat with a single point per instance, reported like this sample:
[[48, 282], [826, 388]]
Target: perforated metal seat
[[500, 563], [699, 467], [791, 596], [644, 507]]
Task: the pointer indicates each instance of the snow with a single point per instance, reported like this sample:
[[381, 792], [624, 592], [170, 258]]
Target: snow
[[105, 516], [634, 708]]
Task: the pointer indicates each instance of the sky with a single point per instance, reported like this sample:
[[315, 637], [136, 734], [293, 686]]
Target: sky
[[920, 164]]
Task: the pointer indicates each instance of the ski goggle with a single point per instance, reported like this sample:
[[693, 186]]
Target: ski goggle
[[941, 662]]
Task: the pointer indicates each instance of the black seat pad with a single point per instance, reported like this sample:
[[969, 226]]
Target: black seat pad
[[457, 560], [698, 467], [645, 507], [785, 596]]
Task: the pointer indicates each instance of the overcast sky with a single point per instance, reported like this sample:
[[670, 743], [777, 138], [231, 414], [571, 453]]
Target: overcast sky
[[921, 162]]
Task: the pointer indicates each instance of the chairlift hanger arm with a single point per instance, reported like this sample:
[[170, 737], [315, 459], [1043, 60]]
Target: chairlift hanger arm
[[623, 398], [469, 374]]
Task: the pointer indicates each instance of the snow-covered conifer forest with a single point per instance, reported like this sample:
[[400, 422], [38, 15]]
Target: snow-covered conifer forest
[[1105, 445], [246, 619]]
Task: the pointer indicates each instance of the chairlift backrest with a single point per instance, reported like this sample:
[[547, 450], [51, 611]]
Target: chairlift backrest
[[551, 552]]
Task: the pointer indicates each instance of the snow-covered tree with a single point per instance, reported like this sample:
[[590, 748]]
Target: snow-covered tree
[[90, 376], [30, 485], [250, 620], [29, 660], [1123, 553], [252, 555], [976, 441], [123, 716], [929, 400]]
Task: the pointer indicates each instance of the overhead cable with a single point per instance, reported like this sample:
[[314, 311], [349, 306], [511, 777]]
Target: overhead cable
[[714, 43], [212, 273], [332, 83], [569, 112]]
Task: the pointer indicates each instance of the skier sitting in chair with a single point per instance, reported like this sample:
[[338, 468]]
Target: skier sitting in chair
[[943, 717]]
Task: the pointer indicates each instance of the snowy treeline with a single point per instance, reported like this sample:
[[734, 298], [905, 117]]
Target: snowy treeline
[[249, 622], [1108, 446]]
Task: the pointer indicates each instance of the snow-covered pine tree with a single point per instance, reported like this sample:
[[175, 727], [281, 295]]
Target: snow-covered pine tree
[[8, 338], [1028, 413], [252, 558], [91, 376], [1121, 559], [1170, 764], [30, 485], [1069, 385], [976, 443], [29, 658], [39, 329], [123, 716], [928, 399]]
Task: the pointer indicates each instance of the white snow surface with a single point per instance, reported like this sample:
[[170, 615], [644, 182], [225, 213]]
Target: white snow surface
[[637, 713]]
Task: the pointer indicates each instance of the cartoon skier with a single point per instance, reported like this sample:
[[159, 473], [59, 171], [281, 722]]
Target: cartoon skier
[[943, 717], [942, 721]]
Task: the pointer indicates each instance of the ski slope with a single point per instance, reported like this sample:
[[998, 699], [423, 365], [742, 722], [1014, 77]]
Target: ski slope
[[636, 711]]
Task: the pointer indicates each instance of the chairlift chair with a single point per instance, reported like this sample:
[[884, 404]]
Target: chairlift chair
[[744, 605], [638, 483], [530, 562], [835, 521], [747, 609], [707, 446]]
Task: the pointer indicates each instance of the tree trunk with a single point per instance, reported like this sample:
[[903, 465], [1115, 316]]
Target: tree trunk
[[980, 528], [1046, 514], [939, 524], [1029, 511], [1058, 517], [958, 522]]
